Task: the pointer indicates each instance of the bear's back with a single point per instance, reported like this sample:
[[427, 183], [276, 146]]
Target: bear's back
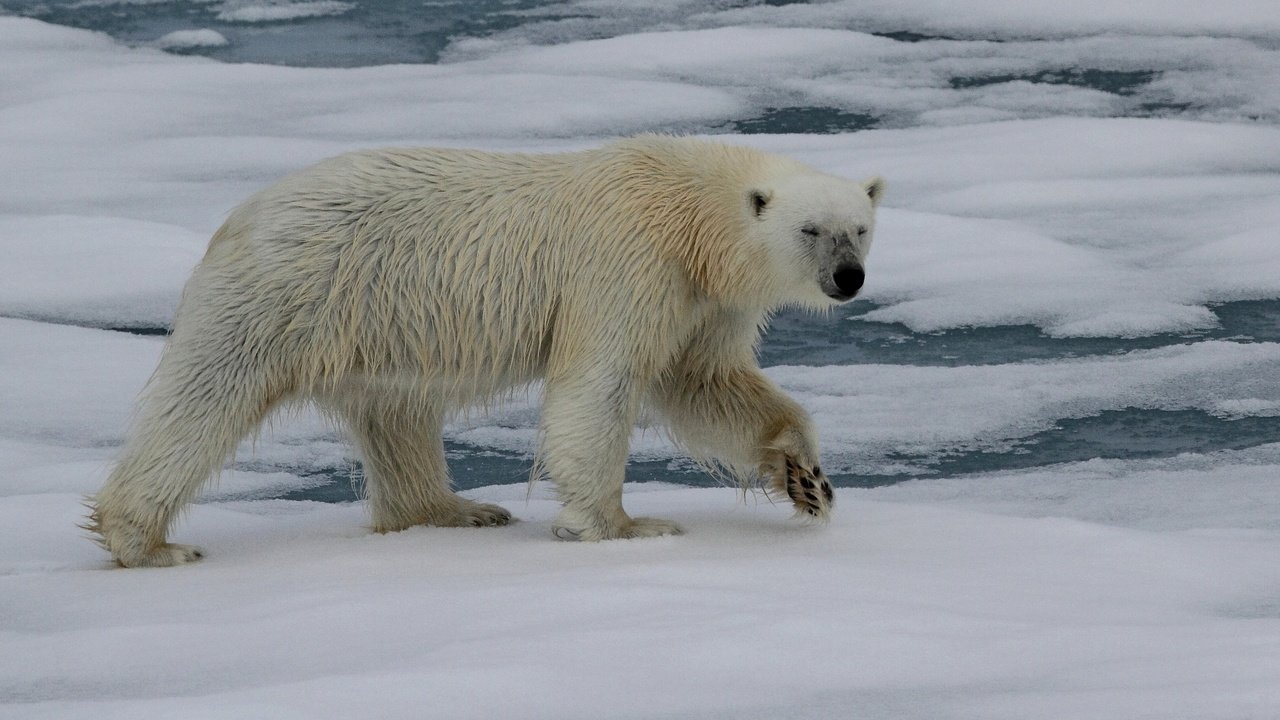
[[476, 266]]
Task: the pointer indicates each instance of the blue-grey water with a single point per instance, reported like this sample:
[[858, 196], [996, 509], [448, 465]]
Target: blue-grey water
[[802, 338], [405, 31], [371, 32]]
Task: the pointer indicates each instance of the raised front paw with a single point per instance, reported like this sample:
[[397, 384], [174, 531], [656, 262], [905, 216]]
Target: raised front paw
[[808, 488]]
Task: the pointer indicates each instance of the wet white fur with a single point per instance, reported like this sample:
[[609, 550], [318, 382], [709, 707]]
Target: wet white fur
[[393, 287]]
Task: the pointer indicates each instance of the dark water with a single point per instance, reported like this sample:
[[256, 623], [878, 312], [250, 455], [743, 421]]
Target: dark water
[[476, 467], [377, 32], [807, 120], [805, 339], [1121, 434], [798, 338]]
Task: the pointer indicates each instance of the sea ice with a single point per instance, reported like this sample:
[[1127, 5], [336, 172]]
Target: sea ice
[[186, 39], [1109, 588]]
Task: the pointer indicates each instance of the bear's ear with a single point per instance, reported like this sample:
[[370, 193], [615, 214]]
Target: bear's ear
[[757, 200], [874, 189]]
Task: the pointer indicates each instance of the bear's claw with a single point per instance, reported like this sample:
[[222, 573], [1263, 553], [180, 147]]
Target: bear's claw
[[808, 488], [476, 514]]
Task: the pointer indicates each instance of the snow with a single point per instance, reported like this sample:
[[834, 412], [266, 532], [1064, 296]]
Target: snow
[[95, 270], [184, 39], [896, 610], [977, 68], [278, 12], [1202, 493], [1107, 588], [1081, 226]]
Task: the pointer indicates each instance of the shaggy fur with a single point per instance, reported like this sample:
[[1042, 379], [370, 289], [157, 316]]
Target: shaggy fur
[[393, 287]]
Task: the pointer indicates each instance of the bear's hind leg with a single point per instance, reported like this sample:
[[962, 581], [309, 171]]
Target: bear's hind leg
[[191, 417], [406, 477]]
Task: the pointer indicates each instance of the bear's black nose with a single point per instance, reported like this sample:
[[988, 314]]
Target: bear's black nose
[[848, 279]]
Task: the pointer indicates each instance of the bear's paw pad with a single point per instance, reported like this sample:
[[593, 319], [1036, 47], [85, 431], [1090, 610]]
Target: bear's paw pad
[[810, 491]]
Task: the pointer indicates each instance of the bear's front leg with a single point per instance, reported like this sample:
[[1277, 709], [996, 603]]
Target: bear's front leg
[[732, 412], [586, 432]]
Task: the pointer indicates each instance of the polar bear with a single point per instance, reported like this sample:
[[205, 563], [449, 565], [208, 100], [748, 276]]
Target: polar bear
[[393, 287]]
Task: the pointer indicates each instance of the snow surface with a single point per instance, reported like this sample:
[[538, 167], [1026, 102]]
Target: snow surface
[[1103, 589], [280, 11], [186, 39], [1078, 225], [896, 610]]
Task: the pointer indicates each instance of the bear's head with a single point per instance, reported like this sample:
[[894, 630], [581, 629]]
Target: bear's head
[[816, 229]]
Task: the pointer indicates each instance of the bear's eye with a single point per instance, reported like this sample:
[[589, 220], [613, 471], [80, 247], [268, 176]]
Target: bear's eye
[[862, 230], [758, 201], [810, 230]]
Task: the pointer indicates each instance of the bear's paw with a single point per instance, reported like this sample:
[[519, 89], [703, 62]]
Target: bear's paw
[[166, 555], [474, 514], [626, 528], [810, 490]]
